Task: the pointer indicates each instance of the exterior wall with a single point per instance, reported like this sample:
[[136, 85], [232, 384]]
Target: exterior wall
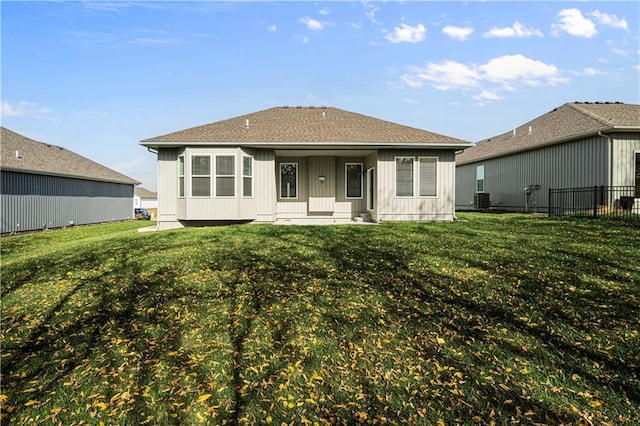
[[573, 164], [214, 207], [624, 148], [265, 184], [437, 208], [33, 201], [168, 203], [326, 200]]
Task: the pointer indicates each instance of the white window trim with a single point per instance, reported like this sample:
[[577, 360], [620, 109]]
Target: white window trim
[[371, 181], [184, 165], [191, 176], [216, 176], [395, 177], [478, 180], [280, 182], [346, 165], [250, 157], [419, 177]]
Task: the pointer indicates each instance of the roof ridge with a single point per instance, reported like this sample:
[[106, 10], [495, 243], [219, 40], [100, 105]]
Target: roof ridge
[[574, 105]]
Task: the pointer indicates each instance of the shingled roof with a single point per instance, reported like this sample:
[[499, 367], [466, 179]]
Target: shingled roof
[[303, 125], [22, 154], [568, 122]]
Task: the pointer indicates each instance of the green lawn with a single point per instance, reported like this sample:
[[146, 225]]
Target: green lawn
[[492, 319]]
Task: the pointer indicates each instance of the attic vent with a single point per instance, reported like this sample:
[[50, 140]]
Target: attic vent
[[246, 124], [286, 106], [18, 156], [299, 107]]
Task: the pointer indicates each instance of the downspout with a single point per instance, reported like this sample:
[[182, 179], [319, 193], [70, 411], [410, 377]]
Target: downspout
[[609, 154], [151, 150]]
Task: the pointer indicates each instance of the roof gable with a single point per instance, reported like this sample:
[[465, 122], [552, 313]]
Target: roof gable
[[312, 125], [20, 153], [567, 122]]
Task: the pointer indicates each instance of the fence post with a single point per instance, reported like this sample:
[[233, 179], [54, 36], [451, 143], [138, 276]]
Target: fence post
[[550, 203], [595, 201]]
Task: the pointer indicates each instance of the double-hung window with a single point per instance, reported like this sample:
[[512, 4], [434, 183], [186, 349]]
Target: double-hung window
[[200, 175], [225, 176], [428, 179], [181, 176], [404, 176], [289, 180], [353, 180], [247, 176]]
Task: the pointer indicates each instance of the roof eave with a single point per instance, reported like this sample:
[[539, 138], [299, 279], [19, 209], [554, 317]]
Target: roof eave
[[319, 145], [609, 129], [45, 173]]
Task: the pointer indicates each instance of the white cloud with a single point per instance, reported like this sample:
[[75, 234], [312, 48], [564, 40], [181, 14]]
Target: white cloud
[[574, 23], [370, 11], [25, 109], [407, 34], [445, 75], [592, 71], [313, 24], [517, 30], [272, 28], [518, 68], [324, 11], [457, 33], [610, 20], [304, 39], [356, 25], [501, 74], [487, 95]]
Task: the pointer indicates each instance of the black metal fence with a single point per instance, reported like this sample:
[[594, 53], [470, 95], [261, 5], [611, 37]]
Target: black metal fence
[[595, 201]]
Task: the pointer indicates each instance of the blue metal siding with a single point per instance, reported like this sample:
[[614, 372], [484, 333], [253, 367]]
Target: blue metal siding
[[31, 201]]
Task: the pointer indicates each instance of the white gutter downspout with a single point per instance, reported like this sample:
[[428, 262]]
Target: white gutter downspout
[[609, 153]]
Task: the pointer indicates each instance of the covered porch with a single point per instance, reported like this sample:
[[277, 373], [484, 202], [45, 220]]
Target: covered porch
[[325, 186]]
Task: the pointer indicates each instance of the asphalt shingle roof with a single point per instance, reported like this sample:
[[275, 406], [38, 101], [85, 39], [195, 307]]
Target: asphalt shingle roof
[[43, 158], [144, 193], [310, 125], [569, 121]]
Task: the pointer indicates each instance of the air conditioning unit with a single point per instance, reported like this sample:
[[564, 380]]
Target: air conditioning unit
[[481, 200]]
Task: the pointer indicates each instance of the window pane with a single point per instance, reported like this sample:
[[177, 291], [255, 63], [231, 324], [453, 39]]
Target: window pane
[[247, 182], [288, 179], [181, 186], [201, 165], [354, 180], [225, 186], [247, 166], [180, 166], [200, 186], [404, 177], [225, 165], [428, 176]]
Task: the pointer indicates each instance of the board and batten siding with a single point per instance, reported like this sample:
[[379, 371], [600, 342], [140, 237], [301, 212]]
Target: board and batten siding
[[433, 208], [36, 201], [578, 163], [168, 203]]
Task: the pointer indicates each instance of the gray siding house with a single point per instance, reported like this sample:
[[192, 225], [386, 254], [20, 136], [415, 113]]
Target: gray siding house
[[304, 164], [578, 144], [48, 186]]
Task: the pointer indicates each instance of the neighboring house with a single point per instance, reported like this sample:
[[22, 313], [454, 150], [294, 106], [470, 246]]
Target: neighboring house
[[47, 186], [295, 163], [578, 144], [144, 199]]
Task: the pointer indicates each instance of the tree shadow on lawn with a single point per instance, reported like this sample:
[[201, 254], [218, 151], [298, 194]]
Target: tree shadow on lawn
[[95, 354], [469, 319]]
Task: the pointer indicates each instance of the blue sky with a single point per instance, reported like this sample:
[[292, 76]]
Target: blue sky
[[97, 77]]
